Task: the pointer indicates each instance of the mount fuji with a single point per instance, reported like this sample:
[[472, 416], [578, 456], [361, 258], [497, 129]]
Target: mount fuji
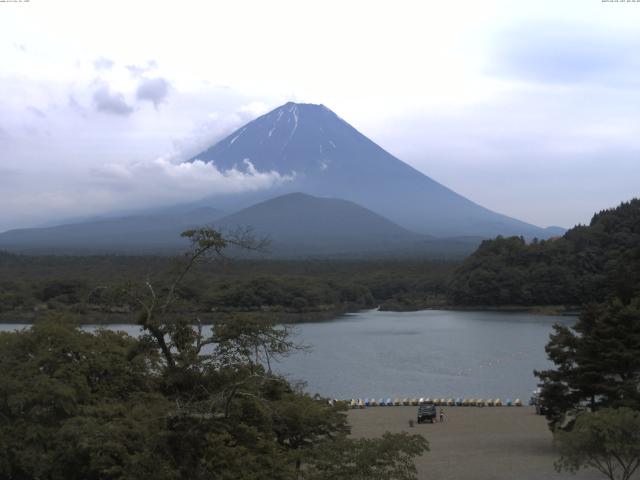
[[344, 195], [327, 157]]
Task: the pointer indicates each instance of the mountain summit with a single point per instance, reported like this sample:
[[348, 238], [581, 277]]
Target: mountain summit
[[296, 137], [330, 158]]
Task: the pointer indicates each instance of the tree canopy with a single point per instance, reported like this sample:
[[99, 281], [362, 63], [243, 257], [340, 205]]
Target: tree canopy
[[589, 263], [607, 440], [597, 361], [180, 401]]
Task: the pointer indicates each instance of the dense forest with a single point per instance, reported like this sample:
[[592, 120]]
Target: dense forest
[[93, 287], [588, 264], [175, 403]]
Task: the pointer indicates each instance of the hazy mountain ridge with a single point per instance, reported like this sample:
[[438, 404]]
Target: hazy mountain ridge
[[310, 225], [300, 225], [297, 226], [151, 232]]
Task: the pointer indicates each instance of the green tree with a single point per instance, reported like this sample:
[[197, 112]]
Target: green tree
[[77, 405], [180, 401], [597, 361], [607, 440], [389, 457], [588, 264]]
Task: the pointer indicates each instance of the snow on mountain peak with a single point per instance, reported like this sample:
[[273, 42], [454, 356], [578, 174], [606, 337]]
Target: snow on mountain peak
[[299, 137]]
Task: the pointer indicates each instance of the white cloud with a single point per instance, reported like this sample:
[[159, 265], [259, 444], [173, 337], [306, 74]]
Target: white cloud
[[126, 186], [103, 63], [162, 180]]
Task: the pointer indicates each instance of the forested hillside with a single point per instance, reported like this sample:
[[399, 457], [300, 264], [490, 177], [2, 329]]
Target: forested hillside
[[588, 264], [91, 287]]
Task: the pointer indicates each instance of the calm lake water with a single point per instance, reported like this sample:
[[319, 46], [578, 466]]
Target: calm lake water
[[431, 353]]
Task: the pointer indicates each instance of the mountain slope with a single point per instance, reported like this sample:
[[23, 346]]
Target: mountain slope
[[330, 158], [159, 232], [310, 225]]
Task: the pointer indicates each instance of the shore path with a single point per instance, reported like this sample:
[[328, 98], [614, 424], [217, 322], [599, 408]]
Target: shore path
[[490, 443]]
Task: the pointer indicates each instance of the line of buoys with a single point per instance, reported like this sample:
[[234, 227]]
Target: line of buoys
[[449, 402]]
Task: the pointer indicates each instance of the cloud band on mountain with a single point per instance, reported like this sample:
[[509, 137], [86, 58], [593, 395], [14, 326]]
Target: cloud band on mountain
[[138, 185], [161, 180]]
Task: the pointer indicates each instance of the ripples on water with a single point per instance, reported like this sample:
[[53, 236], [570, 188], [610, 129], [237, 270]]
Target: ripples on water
[[431, 353], [423, 354]]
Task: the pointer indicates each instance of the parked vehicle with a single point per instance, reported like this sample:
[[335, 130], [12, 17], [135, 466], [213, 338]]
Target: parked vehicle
[[427, 413]]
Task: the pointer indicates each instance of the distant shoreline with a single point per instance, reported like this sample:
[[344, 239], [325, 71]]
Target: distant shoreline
[[552, 310], [292, 318]]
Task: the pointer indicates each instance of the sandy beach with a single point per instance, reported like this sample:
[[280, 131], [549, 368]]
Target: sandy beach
[[490, 443]]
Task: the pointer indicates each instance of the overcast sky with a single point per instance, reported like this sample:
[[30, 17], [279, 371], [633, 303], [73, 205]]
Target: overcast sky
[[530, 108]]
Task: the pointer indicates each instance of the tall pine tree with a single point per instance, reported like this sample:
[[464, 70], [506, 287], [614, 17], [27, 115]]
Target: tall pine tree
[[597, 361]]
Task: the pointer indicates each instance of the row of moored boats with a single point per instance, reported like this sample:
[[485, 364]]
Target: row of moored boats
[[449, 402]]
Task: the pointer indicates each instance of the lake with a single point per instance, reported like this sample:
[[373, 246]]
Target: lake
[[430, 353]]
